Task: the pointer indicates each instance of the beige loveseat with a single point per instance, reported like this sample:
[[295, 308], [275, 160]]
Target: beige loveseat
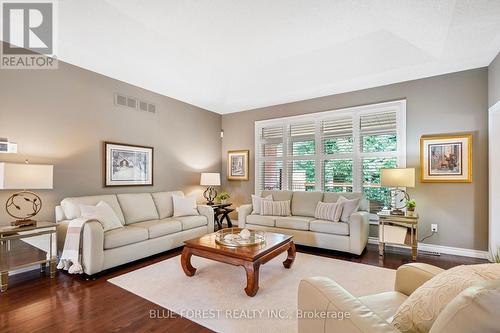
[[149, 228], [322, 300], [350, 236]]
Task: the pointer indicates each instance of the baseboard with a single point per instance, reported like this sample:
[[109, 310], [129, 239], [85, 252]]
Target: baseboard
[[457, 251]]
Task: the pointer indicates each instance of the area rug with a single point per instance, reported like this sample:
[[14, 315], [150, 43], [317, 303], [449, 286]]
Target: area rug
[[214, 296]]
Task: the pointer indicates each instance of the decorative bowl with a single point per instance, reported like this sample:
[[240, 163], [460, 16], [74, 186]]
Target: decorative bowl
[[231, 237]]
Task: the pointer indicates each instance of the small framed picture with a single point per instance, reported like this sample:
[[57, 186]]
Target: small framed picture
[[127, 165], [237, 164], [446, 158]]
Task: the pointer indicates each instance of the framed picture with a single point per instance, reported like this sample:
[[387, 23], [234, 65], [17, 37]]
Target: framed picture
[[127, 165], [446, 158], [237, 165]]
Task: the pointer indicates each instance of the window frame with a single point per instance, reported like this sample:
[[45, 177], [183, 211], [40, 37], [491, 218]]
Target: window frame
[[397, 106]]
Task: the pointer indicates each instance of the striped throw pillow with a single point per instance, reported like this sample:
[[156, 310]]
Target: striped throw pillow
[[275, 208], [328, 211]]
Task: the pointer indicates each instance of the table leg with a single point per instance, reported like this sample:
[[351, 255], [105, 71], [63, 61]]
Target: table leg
[[252, 270], [53, 268], [186, 261], [43, 267], [381, 249], [414, 245], [291, 256], [4, 281], [228, 220]]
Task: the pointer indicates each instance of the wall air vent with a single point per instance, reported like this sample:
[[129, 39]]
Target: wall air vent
[[134, 103]]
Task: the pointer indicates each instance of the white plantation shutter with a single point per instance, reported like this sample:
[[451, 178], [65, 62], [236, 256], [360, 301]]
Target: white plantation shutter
[[337, 136], [301, 156], [270, 158], [378, 146], [336, 151]]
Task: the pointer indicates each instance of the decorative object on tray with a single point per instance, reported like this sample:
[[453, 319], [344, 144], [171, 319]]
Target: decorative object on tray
[[446, 158], [24, 205], [395, 178], [223, 196], [128, 165], [236, 237], [237, 164], [210, 179]]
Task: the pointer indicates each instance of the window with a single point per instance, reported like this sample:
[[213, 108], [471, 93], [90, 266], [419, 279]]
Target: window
[[332, 151]]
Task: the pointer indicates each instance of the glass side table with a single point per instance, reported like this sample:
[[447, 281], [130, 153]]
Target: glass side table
[[401, 230], [22, 247]]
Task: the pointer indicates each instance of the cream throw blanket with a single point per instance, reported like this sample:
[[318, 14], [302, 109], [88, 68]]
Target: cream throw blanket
[[71, 259]]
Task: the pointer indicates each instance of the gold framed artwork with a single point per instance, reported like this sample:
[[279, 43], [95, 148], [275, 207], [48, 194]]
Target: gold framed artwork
[[446, 159], [237, 164]]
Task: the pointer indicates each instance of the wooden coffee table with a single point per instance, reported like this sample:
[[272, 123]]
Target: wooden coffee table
[[250, 257]]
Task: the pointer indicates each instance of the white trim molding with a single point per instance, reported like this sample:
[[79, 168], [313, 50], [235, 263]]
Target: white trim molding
[[493, 177], [456, 251]]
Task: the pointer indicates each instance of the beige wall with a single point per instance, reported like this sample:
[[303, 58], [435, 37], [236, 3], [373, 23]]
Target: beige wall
[[453, 103], [62, 116], [494, 81]]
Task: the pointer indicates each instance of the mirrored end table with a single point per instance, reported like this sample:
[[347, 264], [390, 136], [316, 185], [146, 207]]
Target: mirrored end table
[[401, 230], [22, 247]]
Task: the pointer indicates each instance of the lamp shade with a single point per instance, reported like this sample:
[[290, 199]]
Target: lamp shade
[[15, 176], [210, 179], [397, 177]]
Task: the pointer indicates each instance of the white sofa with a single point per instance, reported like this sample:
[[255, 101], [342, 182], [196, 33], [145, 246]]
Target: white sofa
[[149, 228], [305, 229]]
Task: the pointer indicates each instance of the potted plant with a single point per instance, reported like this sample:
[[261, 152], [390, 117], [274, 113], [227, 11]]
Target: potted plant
[[223, 196], [410, 205]]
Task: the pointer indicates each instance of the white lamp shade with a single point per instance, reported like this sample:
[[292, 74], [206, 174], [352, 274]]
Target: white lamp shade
[[15, 176], [397, 177], [210, 179]]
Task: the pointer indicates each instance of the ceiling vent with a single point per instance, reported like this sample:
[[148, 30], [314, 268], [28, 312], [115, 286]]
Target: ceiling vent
[[134, 103]]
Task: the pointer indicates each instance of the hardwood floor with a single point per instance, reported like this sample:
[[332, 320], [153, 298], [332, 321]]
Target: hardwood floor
[[73, 304]]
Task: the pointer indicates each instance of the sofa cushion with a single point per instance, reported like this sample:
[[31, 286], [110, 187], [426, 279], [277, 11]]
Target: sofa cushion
[[385, 304], [191, 222], [138, 207], [278, 195], [71, 206], [294, 222], [103, 213], [364, 204], [267, 221], [124, 236], [164, 203], [304, 203], [329, 227], [257, 203], [158, 228]]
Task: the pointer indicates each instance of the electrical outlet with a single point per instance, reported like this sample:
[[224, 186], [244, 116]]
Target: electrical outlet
[[434, 228]]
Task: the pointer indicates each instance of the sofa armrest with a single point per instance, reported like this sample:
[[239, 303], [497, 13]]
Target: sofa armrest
[[92, 245], [411, 276], [243, 212], [207, 211], [359, 225], [324, 306]]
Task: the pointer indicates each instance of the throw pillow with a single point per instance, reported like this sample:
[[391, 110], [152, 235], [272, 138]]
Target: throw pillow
[[256, 203], [328, 211], [275, 208], [103, 213], [184, 206], [474, 310], [349, 207], [422, 308]]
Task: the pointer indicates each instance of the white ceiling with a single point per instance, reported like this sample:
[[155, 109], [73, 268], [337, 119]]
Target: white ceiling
[[233, 55]]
